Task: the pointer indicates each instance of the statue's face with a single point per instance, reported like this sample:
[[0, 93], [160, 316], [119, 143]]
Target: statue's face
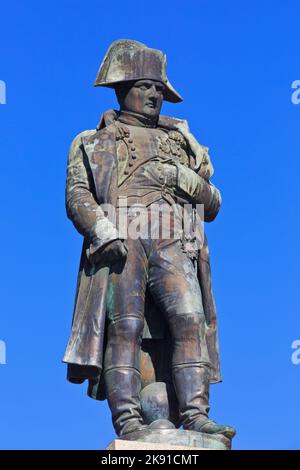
[[143, 97]]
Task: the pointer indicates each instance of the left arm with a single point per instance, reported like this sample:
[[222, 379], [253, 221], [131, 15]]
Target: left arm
[[199, 191]]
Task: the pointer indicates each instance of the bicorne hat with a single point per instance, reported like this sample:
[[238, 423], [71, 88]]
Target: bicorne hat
[[128, 60]]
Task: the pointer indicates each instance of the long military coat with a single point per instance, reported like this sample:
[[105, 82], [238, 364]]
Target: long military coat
[[91, 182]]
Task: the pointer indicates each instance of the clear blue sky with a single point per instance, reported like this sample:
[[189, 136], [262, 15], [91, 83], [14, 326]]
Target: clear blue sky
[[234, 63]]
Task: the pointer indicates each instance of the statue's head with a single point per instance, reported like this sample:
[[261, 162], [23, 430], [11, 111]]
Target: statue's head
[[138, 74], [142, 97]]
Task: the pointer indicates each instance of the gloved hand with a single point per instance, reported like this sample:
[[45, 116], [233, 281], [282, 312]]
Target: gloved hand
[[169, 175], [111, 253], [199, 191]]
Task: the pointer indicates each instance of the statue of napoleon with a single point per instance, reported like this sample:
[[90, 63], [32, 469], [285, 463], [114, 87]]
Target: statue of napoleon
[[144, 330]]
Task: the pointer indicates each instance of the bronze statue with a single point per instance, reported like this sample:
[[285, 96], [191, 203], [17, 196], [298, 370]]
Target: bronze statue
[[144, 330]]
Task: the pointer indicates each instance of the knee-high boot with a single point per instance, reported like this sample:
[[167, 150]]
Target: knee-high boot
[[191, 382], [123, 385], [191, 374], [121, 374]]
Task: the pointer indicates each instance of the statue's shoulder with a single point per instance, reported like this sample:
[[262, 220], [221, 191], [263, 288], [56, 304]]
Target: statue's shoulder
[[80, 138], [172, 123], [178, 129]]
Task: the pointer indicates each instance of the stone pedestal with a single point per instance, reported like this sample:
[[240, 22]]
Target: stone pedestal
[[170, 439], [119, 444]]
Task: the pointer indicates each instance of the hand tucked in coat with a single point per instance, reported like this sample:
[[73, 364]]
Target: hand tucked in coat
[[195, 187]]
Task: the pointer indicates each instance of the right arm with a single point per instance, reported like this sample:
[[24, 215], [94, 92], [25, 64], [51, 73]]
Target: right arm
[[81, 205]]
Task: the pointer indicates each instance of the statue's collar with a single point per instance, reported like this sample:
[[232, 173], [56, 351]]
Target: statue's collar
[[110, 116], [135, 119], [132, 119]]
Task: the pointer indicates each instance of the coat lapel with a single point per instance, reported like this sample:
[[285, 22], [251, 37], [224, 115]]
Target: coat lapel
[[100, 149]]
